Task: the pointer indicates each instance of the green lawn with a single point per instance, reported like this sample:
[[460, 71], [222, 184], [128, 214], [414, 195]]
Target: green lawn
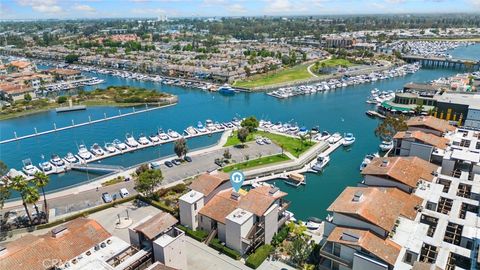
[[337, 62], [290, 144], [256, 163], [295, 73]]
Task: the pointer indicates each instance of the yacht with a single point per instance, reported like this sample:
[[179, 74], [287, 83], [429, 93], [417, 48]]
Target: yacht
[[154, 138], [143, 140], [173, 134], [226, 90], [71, 158], [110, 147], [219, 126], [119, 145], [334, 138], [28, 168], [97, 150], [130, 141], [45, 166], [386, 146], [322, 161], [191, 130], [57, 161], [201, 128], [84, 153], [163, 136], [313, 223], [323, 136], [348, 139], [367, 159], [209, 125]]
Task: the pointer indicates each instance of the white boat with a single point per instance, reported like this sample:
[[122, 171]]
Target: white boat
[[154, 138], [71, 158], [143, 140], [367, 159], [219, 126], [348, 139], [209, 125], [291, 215], [130, 141], [119, 145], [322, 161], [84, 153], [57, 161], [45, 166], [386, 146], [173, 134], [28, 168], [97, 150], [201, 128], [163, 136], [323, 136], [191, 130], [313, 223], [110, 147], [334, 138]]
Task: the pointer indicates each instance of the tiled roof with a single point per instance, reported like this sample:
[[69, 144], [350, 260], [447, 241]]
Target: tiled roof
[[207, 183], [20, 64], [30, 251], [156, 225], [406, 170], [384, 249], [12, 89], [381, 207], [220, 206], [258, 200], [63, 71], [426, 138], [430, 122]]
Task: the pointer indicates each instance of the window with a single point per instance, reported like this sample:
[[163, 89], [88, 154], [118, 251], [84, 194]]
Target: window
[[195, 206]]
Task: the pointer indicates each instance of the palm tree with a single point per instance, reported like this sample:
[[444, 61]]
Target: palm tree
[[19, 184], [32, 196], [41, 180]]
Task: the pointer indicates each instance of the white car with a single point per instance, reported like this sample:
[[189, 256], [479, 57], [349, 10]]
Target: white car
[[124, 192]]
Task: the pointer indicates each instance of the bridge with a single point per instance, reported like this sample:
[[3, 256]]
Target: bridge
[[443, 62]]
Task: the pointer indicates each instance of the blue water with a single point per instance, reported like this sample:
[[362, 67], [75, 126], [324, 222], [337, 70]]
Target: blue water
[[469, 52], [340, 110]]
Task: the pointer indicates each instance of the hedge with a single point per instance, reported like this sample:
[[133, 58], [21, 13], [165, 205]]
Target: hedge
[[256, 259], [199, 235], [159, 205], [217, 245]]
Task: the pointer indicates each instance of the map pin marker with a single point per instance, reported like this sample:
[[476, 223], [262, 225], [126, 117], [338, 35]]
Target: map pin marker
[[236, 179]]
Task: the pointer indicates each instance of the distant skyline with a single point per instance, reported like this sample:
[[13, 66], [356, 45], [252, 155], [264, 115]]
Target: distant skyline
[[74, 9]]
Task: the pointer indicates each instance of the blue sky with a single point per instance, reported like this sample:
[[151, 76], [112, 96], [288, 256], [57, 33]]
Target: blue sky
[[64, 9]]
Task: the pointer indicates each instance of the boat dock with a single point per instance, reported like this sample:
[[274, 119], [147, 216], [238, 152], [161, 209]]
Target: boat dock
[[375, 113]]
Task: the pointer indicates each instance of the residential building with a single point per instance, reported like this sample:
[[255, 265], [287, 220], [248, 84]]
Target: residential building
[[429, 124], [418, 143]]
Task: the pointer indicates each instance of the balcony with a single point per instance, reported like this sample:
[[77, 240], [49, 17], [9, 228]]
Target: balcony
[[326, 251]]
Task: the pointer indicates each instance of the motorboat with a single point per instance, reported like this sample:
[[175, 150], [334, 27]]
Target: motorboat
[[163, 136], [191, 130], [154, 138], [219, 126], [57, 161], [322, 161], [237, 122], [367, 159], [119, 145], [143, 140], [209, 125], [45, 166], [226, 90], [348, 139], [28, 168], [313, 223], [336, 137], [323, 136], [173, 134], [110, 147], [84, 153], [130, 141], [201, 128], [71, 158], [386, 146], [97, 150]]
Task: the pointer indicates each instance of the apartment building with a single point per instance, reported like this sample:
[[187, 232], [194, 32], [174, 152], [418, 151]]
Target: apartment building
[[430, 125], [243, 220], [418, 143]]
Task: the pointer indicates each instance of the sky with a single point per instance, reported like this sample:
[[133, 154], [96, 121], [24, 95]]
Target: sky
[[73, 9]]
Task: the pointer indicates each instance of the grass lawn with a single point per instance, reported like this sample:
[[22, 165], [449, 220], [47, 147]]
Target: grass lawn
[[337, 62], [295, 73], [291, 145], [256, 163]]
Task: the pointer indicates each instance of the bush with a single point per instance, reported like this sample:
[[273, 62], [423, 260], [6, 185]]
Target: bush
[[217, 245], [256, 259], [280, 236], [199, 235], [160, 205], [61, 99]]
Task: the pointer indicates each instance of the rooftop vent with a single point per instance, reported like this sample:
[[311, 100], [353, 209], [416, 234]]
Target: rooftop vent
[[273, 191], [235, 196], [350, 237], [192, 194], [59, 231], [239, 214], [384, 163], [357, 196]]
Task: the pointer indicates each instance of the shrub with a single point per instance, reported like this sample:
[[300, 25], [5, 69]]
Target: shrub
[[217, 245], [160, 205], [256, 259], [199, 235], [61, 99], [280, 236]]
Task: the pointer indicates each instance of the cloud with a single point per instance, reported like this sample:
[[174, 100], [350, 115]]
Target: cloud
[[84, 8], [43, 6], [148, 11], [235, 8]]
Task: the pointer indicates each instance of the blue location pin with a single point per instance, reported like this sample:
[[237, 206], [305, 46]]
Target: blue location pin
[[236, 179]]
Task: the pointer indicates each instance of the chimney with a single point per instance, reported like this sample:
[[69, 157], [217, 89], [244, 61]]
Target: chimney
[[384, 163], [59, 231], [235, 196], [357, 196]]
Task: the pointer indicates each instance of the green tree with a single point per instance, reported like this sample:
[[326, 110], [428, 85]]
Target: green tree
[[418, 109], [19, 184], [41, 180], [251, 123], [390, 126], [180, 147], [3, 168], [4, 194], [27, 97], [227, 154], [61, 99], [300, 249], [242, 135], [147, 181], [71, 58]]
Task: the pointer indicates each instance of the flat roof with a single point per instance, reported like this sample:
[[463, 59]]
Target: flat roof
[[466, 155], [471, 100], [239, 216], [191, 196]]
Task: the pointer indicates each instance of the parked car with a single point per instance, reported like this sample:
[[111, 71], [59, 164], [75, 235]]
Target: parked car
[[106, 197], [187, 159], [168, 164], [124, 192], [177, 161]]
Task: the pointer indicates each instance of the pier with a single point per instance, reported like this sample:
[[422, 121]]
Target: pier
[[90, 122], [443, 62]]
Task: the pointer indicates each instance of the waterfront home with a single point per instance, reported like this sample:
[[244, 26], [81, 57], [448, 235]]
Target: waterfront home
[[403, 173], [419, 144], [15, 92], [429, 124], [20, 66], [243, 220], [64, 74]]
